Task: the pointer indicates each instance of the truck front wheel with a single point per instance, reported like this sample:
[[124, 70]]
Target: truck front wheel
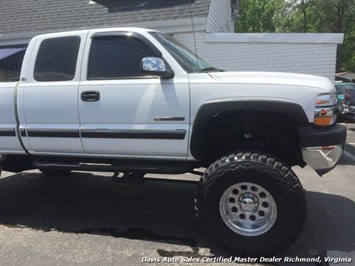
[[251, 203]]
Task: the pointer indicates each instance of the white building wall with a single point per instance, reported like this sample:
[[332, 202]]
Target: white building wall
[[312, 54], [220, 17]]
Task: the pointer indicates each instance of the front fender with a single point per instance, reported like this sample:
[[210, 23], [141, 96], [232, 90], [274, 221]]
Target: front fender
[[198, 137]]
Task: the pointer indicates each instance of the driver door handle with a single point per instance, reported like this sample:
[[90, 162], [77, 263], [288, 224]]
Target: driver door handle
[[90, 96]]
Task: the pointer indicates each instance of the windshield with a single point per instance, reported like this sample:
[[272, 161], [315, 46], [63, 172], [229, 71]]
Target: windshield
[[342, 87], [188, 60]]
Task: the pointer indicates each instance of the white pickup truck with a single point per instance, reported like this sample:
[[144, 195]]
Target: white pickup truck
[[135, 101]]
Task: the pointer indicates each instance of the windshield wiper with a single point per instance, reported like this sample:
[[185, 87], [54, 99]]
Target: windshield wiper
[[212, 69]]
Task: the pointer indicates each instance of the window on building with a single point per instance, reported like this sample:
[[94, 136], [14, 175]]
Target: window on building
[[56, 59]]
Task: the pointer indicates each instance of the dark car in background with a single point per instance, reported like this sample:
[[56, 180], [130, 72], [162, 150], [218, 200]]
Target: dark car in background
[[346, 102]]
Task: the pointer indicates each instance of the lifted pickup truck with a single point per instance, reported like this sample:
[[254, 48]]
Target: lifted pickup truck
[[135, 101]]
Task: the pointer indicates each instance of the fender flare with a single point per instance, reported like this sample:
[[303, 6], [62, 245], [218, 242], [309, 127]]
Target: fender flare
[[293, 110]]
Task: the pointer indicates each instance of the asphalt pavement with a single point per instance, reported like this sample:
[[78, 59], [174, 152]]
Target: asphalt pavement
[[86, 219]]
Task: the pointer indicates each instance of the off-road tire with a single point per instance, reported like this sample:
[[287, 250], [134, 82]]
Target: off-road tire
[[264, 174]]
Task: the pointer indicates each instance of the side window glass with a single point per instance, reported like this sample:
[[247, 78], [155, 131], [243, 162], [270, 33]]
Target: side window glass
[[56, 59], [116, 57]]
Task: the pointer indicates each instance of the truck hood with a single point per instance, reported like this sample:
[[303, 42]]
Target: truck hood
[[277, 78], [258, 86]]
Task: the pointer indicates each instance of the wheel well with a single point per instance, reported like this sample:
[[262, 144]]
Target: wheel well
[[16, 163], [269, 131]]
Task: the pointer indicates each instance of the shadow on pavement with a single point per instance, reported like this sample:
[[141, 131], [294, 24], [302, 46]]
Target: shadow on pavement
[[345, 160], [156, 211], [329, 226]]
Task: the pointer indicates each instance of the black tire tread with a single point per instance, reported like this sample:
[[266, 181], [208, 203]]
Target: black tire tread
[[290, 183]]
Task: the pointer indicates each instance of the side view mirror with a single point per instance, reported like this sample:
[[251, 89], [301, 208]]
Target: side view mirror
[[155, 66]]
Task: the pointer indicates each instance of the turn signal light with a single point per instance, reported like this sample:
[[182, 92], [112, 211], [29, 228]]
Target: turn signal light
[[323, 120]]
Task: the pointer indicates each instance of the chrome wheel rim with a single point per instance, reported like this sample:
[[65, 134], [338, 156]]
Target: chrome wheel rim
[[248, 209]]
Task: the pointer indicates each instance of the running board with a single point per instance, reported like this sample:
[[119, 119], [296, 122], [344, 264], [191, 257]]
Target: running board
[[125, 173], [152, 168]]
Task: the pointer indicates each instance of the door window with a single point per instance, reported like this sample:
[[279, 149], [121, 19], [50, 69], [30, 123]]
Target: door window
[[56, 59], [116, 57]]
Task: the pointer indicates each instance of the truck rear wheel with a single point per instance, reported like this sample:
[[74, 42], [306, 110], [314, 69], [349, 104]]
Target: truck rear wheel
[[251, 203]]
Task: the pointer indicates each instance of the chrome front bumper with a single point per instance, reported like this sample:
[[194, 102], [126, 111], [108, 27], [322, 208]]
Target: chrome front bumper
[[322, 159]]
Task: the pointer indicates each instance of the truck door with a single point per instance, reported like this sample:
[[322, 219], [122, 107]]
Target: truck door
[[124, 113], [48, 100]]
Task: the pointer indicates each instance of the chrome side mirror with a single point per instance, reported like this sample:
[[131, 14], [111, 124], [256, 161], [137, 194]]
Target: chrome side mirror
[[155, 66]]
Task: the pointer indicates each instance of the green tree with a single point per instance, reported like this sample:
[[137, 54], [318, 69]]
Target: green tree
[[337, 16], [296, 16], [259, 15]]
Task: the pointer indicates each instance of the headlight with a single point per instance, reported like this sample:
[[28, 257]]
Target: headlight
[[325, 111], [330, 99]]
